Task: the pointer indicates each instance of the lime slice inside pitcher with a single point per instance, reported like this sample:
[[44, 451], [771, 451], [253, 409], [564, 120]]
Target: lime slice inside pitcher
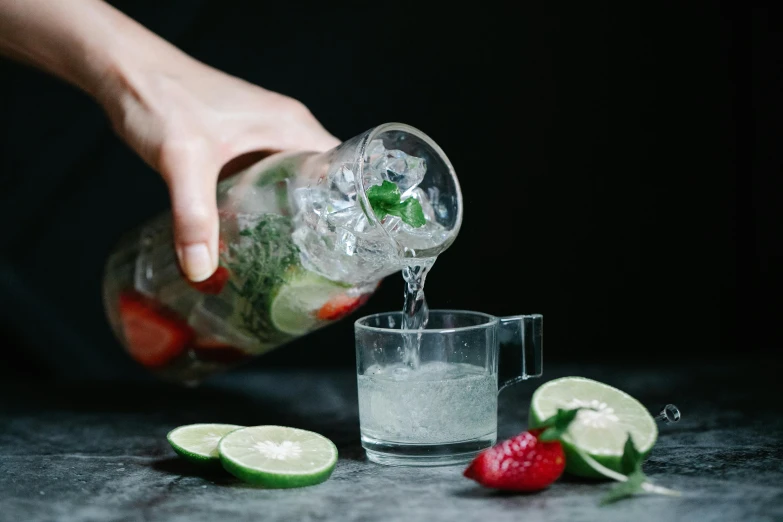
[[198, 442], [278, 457], [294, 309], [601, 431]]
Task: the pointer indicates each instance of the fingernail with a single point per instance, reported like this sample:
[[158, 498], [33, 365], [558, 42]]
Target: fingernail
[[196, 262]]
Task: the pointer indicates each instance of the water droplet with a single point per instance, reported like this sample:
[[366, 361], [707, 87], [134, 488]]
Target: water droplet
[[669, 414]]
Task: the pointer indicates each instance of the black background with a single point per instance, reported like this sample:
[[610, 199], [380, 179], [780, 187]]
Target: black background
[[618, 166]]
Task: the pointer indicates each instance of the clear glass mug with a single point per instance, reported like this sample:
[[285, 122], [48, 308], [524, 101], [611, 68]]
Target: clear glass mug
[[300, 247], [445, 411]]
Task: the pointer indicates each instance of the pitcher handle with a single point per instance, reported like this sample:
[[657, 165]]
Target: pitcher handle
[[520, 340]]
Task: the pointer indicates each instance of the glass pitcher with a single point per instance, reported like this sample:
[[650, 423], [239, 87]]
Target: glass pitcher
[[301, 246]]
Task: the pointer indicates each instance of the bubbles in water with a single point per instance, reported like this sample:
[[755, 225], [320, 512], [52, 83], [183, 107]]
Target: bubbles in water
[[440, 402], [373, 370], [400, 373]]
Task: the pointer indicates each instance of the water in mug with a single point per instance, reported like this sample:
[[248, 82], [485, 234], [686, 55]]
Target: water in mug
[[436, 403]]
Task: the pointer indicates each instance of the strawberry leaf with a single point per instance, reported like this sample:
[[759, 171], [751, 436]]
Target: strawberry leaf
[[626, 489], [556, 425]]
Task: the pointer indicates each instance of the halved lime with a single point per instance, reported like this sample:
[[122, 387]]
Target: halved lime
[[600, 433], [278, 457], [295, 305], [198, 442]]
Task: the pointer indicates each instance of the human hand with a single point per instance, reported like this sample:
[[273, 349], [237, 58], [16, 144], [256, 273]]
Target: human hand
[[185, 119], [187, 123]]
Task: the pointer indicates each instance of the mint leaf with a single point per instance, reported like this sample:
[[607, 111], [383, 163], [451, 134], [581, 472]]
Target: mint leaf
[[260, 266], [635, 480], [411, 213], [383, 196], [557, 424], [385, 200], [626, 489], [632, 459]]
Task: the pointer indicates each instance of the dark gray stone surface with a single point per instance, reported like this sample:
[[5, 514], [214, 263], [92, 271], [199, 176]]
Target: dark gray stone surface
[[99, 453]]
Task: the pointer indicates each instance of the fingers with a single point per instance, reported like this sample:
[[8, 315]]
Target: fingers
[[195, 225], [192, 180]]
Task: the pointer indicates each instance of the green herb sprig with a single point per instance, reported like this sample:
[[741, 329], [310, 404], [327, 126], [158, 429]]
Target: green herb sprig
[[631, 480], [260, 266], [635, 482], [385, 200]]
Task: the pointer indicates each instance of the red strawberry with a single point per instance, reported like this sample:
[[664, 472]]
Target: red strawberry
[[341, 306], [523, 463], [215, 283], [154, 335]]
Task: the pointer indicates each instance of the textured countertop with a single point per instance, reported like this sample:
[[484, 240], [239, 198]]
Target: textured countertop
[[98, 452]]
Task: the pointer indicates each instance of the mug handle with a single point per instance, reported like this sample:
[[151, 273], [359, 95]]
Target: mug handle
[[520, 339]]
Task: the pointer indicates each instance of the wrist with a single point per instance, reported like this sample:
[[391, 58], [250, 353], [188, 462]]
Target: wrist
[[119, 59], [87, 43]]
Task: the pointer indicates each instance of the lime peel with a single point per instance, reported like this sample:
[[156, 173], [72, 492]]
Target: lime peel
[[278, 456], [600, 430], [198, 443]]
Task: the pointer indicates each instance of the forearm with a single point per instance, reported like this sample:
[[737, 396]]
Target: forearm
[[85, 42]]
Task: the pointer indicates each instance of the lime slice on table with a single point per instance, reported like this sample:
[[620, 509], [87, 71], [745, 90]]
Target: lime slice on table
[[601, 433], [278, 457], [198, 442], [295, 305]]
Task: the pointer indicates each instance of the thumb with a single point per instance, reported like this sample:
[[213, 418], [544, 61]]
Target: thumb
[[196, 224]]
